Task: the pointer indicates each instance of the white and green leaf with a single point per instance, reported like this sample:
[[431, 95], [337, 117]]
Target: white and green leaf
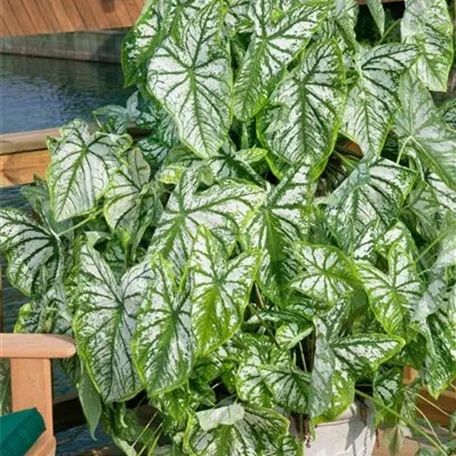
[[280, 222], [370, 199], [305, 110], [224, 208], [220, 292], [191, 77], [104, 322], [328, 274], [32, 251], [275, 43], [163, 342], [81, 165], [374, 98], [427, 25], [423, 133]]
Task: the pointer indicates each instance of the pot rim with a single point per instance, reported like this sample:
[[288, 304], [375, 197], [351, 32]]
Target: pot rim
[[350, 414]]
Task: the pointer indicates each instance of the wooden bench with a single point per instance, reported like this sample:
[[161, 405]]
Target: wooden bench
[[31, 380]]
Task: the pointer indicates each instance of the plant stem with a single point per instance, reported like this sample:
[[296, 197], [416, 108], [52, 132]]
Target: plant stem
[[303, 357], [266, 327], [409, 423], [429, 425], [82, 223], [433, 405], [389, 30], [259, 297]]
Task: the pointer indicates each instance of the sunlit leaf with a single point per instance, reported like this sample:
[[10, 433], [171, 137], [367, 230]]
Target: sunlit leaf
[[374, 98], [378, 14], [104, 322], [328, 275], [191, 77], [394, 296], [163, 339], [221, 290], [427, 24], [280, 222], [275, 43], [369, 199], [223, 208], [80, 167], [305, 114], [423, 133]]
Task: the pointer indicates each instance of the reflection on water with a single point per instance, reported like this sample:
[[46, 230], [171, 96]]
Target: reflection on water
[[38, 92]]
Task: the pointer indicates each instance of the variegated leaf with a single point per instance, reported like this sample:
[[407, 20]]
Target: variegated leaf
[[328, 275], [369, 199], [448, 111], [378, 14], [275, 43], [220, 292], [423, 133], [131, 199], [32, 251], [373, 99], [340, 361], [191, 76], [104, 322], [276, 226], [427, 24], [289, 334], [259, 433], [393, 297], [163, 342], [306, 108], [223, 208], [80, 167], [440, 361]]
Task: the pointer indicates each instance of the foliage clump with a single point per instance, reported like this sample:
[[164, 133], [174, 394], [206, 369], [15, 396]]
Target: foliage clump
[[281, 239]]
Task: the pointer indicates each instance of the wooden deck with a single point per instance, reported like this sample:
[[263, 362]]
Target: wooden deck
[[33, 17]]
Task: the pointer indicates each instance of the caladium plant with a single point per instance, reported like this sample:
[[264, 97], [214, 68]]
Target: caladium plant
[[279, 242]]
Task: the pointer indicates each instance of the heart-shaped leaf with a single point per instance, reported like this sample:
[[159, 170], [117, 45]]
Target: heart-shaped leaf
[[280, 222], [423, 132], [104, 322], [367, 201], [130, 197], [223, 208], [378, 14], [340, 361], [259, 433], [191, 76], [80, 167], [305, 114], [373, 99], [31, 249], [163, 342], [328, 275], [275, 43], [427, 24], [221, 290], [393, 297]]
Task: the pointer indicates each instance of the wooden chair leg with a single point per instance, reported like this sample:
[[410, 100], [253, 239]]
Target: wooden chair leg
[[31, 386]]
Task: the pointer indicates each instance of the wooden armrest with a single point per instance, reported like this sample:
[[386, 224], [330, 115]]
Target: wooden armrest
[[36, 346]]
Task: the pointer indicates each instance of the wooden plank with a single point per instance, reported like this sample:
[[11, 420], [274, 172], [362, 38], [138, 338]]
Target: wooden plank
[[24, 141], [9, 17], [20, 168], [36, 346], [35, 15]]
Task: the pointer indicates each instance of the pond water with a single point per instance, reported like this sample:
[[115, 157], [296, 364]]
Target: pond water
[[38, 92]]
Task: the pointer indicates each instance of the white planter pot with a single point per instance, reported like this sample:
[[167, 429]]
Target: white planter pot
[[351, 434]]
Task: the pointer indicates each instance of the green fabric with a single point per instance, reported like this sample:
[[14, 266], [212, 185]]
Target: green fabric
[[19, 431]]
